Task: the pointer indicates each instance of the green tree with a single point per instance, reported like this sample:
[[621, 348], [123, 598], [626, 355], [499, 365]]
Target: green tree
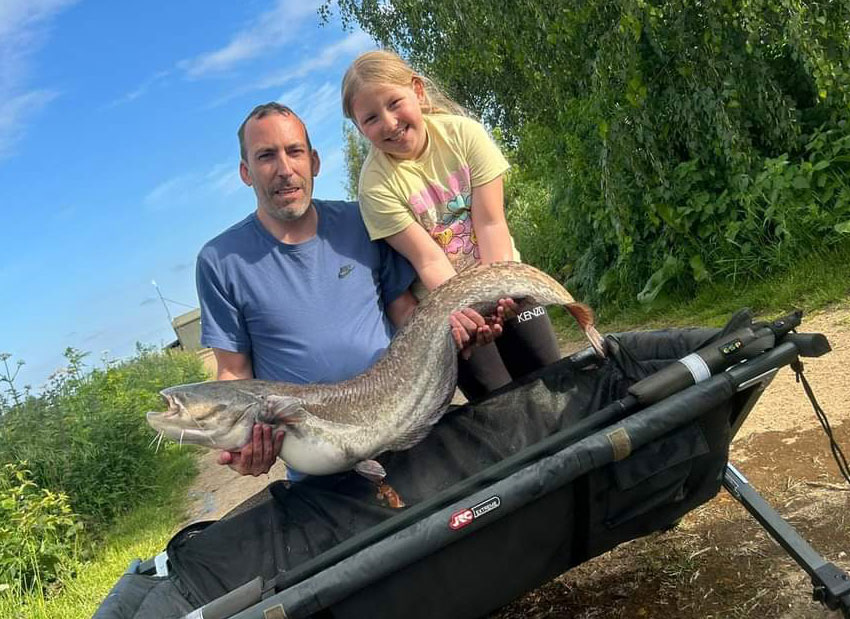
[[678, 140], [355, 149]]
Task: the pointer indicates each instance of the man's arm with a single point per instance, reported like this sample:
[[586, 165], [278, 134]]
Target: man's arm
[[401, 308], [258, 456], [232, 365]]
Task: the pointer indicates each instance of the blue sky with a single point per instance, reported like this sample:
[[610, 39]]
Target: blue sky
[[119, 158]]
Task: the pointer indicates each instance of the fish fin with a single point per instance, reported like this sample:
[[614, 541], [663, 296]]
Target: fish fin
[[371, 470], [284, 409], [388, 495]]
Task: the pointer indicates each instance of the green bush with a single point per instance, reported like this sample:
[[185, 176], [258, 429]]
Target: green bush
[[38, 530], [86, 435], [663, 143]]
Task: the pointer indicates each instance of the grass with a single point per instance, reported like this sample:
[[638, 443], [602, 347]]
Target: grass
[[141, 533], [815, 282]]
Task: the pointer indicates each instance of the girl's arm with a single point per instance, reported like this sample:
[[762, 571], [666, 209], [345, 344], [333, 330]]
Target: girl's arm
[[431, 264], [489, 224], [469, 328]]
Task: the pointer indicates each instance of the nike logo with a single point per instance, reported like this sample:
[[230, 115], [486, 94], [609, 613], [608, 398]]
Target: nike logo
[[345, 270]]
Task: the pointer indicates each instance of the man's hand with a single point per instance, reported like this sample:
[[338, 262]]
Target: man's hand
[[258, 456], [470, 329]]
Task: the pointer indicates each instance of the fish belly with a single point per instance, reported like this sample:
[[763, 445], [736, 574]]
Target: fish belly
[[313, 456]]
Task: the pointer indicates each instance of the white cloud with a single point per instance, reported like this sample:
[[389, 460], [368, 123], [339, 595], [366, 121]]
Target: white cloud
[[294, 97], [14, 114], [270, 30], [140, 90], [224, 178], [312, 105], [333, 162], [195, 188], [23, 31], [172, 190], [351, 45]]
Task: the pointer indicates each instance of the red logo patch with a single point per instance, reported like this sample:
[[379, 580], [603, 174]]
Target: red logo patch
[[464, 517], [461, 519]]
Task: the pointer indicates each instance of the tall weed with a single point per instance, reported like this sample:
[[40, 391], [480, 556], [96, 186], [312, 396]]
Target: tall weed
[[38, 530], [86, 443]]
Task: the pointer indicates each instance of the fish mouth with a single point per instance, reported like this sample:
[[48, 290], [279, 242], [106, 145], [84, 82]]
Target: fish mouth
[[158, 419], [178, 424], [170, 404]]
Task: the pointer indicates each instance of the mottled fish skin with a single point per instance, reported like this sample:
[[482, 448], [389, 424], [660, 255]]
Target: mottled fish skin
[[392, 406]]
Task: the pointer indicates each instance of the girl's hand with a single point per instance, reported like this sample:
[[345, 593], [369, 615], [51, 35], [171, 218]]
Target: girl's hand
[[505, 310], [470, 329]]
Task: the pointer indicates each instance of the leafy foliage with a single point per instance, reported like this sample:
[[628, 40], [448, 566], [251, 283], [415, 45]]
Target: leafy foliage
[[355, 149], [38, 531], [670, 142], [86, 435]]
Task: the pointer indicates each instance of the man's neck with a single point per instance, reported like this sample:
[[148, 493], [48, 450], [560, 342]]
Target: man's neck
[[293, 231]]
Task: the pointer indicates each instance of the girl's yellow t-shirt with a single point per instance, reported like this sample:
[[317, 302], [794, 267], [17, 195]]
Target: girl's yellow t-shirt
[[434, 190]]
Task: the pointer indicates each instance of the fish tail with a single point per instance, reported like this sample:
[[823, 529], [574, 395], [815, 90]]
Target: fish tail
[[585, 319]]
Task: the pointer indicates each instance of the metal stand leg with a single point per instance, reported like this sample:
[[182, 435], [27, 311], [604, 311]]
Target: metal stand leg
[[831, 584]]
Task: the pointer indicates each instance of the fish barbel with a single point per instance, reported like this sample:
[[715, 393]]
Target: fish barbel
[[334, 427]]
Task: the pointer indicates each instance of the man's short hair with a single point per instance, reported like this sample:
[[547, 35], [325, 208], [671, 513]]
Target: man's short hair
[[273, 107]]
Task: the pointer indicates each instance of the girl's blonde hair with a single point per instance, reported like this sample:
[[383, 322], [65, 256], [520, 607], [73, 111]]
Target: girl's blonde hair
[[386, 67]]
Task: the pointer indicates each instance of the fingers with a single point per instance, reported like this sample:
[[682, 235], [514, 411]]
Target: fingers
[[468, 327], [463, 329], [278, 443], [507, 309], [263, 457], [469, 319], [258, 456], [252, 452]]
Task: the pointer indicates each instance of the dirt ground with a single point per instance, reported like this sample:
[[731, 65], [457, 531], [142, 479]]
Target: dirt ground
[[718, 563]]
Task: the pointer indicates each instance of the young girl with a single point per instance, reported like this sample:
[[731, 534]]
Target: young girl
[[432, 187]]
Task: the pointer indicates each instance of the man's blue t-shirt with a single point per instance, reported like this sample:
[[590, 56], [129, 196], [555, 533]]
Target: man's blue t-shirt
[[306, 313]]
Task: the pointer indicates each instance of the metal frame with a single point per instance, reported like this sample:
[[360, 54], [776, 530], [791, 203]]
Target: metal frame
[[830, 584]]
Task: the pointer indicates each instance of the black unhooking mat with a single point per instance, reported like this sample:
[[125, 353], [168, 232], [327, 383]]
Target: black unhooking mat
[[552, 531]]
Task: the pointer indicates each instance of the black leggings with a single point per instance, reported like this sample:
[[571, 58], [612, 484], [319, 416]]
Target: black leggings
[[527, 343]]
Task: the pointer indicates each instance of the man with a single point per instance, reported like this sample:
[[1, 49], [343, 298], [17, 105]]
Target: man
[[296, 291]]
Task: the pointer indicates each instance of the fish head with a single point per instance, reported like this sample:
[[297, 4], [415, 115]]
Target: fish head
[[214, 414]]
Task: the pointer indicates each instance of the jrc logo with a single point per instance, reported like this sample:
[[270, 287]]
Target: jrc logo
[[464, 517], [529, 314], [461, 519]]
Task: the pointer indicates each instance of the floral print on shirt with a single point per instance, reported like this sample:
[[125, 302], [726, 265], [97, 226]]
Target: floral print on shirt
[[444, 211]]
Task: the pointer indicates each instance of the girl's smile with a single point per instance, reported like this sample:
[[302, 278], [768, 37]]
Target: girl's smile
[[390, 117]]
